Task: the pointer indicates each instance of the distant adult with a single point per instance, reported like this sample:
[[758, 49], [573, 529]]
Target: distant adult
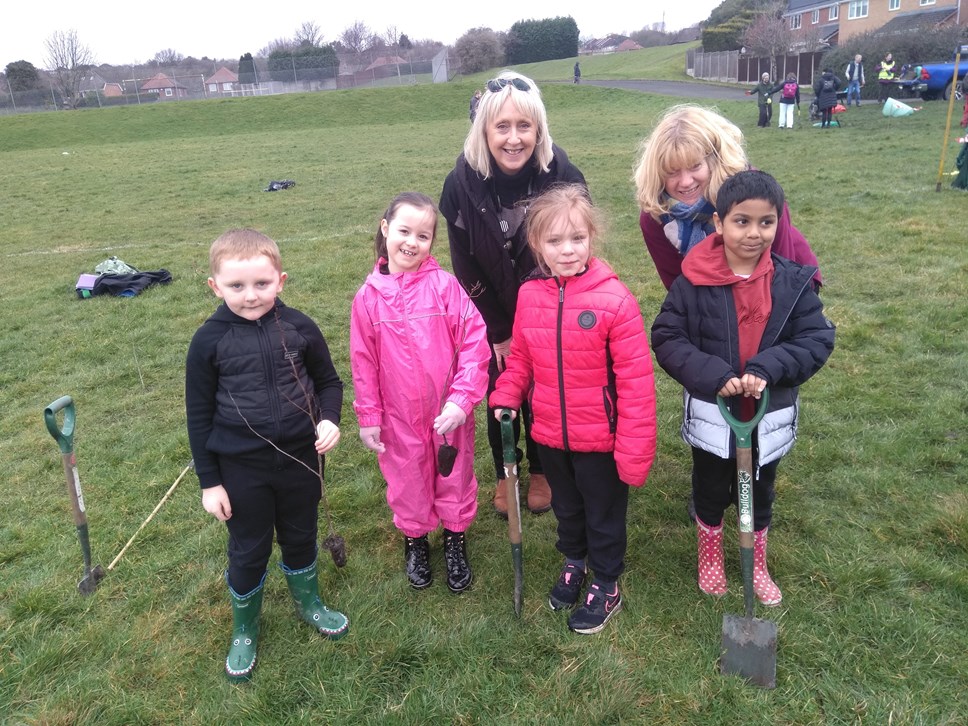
[[691, 151], [764, 91], [825, 89], [577, 72], [508, 159], [886, 72], [475, 102], [855, 79]]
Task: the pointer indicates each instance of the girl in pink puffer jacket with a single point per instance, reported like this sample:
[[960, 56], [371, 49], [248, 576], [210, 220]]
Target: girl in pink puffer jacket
[[419, 355], [579, 351]]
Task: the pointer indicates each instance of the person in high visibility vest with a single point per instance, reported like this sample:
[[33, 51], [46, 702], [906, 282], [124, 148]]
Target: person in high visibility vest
[[886, 72]]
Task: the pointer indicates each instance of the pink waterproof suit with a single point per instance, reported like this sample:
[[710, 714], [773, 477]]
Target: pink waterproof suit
[[417, 342]]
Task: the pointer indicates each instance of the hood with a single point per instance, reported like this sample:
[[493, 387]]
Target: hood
[[389, 283], [706, 264]]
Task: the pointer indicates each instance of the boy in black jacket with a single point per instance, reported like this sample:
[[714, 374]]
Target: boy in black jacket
[[737, 320], [263, 402]]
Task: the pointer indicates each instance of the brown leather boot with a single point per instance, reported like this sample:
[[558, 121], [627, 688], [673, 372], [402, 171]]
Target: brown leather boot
[[501, 499], [539, 494]]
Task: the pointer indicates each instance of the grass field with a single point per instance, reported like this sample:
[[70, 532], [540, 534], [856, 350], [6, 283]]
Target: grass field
[[870, 538]]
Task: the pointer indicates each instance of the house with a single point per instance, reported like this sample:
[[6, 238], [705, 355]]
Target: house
[[610, 44], [823, 22], [112, 90], [222, 83], [165, 87]]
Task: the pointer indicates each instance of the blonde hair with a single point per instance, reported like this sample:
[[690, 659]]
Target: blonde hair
[[242, 244], [560, 200], [685, 136], [529, 103]]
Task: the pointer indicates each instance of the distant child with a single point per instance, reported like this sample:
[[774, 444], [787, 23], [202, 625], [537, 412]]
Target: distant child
[[419, 355], [737, 320], [825, 89], [764, 91], [263, 403], [789, 96], [580, 351]]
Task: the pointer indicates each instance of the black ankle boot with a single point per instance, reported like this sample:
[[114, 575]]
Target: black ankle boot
[[416, 551], [459, 575]]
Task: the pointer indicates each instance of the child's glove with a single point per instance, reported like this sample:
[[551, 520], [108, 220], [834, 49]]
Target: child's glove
[[370, 435], [327, 436], [450, 418]]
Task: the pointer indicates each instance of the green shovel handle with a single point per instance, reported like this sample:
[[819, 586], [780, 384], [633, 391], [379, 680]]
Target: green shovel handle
[[507, 437], [744, 429], [63, 436]]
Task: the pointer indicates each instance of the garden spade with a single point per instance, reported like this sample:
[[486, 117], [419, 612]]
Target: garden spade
[[514, 507], [749, 644], [65, 440]]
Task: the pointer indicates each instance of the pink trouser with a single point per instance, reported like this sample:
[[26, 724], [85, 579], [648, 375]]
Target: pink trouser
[[419, 497]]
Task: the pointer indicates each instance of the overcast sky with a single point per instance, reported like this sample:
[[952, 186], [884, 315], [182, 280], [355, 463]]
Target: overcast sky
[[129, 33]]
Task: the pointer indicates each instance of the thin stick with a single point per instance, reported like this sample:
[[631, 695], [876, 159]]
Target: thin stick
[[947, 126], [153, 513]]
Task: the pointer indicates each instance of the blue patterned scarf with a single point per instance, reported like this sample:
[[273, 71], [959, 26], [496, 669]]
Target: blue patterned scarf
[[686, 225]]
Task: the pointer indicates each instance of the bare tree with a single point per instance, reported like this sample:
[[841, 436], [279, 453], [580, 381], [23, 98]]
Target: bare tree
[[391, 36], [357, 38], [68, 60], [308, 33], [283, 44], [769, 36], [168, 57]]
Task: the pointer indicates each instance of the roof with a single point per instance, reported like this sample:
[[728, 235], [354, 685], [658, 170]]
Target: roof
[[158, 81], [386, 60], [802, 6], [223, 75], [917, 20]]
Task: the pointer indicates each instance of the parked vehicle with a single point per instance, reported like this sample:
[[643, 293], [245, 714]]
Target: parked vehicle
[[936, 78]]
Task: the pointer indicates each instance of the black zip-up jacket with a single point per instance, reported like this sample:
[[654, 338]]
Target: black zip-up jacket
[[247, 381], [489, 273]]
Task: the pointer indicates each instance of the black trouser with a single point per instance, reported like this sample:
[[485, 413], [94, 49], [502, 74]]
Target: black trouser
[[270, 494], [766, 113], [590, 503], [494, 430], [825, 115], [714, 488]]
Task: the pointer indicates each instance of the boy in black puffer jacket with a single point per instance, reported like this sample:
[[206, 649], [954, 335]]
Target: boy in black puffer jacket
[[737, 320]]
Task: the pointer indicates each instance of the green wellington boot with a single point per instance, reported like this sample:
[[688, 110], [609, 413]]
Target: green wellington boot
[[304, 587], [240, 661]]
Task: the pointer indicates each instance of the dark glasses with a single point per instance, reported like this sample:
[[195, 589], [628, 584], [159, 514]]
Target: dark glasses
[[496, 84]]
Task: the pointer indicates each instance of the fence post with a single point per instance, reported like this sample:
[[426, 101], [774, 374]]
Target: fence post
[[13, 101]]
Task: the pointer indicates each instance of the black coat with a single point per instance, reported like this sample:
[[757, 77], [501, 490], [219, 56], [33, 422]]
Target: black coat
[[826, 98], [490, 273], [695, 337], [251, 382]]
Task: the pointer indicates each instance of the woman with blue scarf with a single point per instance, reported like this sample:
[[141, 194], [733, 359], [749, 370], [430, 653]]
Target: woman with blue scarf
[[681, 166]]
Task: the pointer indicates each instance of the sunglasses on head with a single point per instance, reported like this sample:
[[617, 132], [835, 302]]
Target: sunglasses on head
[[496, 84]]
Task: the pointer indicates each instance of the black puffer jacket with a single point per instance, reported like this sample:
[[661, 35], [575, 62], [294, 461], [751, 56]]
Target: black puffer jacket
[[826, 88], [489, 273], [695, 338], [241, 373]]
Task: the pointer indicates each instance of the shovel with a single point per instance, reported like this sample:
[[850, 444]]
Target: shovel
[[65, 440], [514, 507], [749, 644]]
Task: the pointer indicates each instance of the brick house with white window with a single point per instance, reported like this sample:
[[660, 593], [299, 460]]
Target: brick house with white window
[[831, 23]]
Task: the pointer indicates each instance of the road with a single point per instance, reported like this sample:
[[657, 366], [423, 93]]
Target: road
[[687, 89]]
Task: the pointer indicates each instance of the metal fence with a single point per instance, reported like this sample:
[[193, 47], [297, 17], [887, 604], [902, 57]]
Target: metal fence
[[296, 78]]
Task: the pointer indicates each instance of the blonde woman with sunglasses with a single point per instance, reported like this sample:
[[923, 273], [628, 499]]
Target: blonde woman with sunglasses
[[508, 159]]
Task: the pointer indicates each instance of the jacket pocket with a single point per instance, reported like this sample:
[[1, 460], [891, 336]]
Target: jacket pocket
[[608, 399]]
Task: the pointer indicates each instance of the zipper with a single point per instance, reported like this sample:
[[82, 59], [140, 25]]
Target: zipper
[[561, 364]]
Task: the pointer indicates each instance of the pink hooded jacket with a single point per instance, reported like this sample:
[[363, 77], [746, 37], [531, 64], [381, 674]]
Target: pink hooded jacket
[[417, 342], [582, 343]]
